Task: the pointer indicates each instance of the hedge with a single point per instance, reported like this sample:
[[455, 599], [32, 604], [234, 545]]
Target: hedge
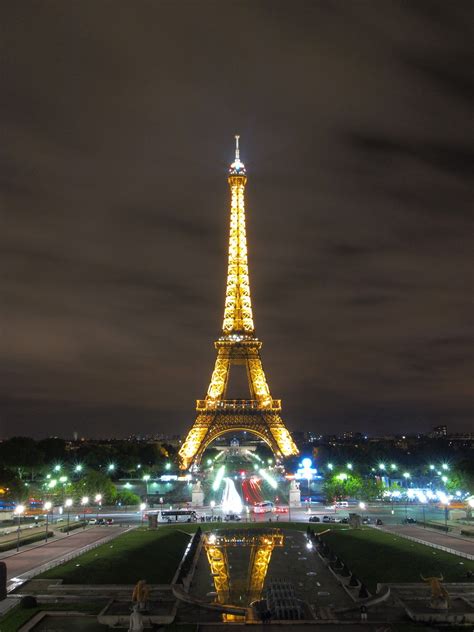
[[37, 537], [72, 527]]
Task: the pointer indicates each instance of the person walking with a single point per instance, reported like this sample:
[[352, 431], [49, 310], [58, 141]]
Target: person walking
[[363, 613]]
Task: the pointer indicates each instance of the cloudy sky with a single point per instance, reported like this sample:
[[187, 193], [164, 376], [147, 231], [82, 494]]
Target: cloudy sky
[[117, 123]]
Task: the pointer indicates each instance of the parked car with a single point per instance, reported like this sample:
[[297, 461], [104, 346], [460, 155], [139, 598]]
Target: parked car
[[92, 521], [344, 520], [280, 509], [101, 521], [232, 518], [379, 522], [326, 519], [315, 519], [409, 521], [366, 520], [109, 521]]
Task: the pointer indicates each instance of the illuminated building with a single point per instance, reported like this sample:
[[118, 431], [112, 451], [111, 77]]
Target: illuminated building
[[238, 344]]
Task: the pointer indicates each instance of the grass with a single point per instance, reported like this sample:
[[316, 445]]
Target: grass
[[375, 556], [18, 616], [138, 554]]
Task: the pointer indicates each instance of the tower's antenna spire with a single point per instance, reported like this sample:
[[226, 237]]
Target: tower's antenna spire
[[237, 153]]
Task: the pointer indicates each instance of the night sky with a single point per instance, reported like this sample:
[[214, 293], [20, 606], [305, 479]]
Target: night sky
[[117, 124]]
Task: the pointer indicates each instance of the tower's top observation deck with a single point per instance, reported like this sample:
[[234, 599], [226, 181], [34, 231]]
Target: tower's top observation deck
[[237, 168]]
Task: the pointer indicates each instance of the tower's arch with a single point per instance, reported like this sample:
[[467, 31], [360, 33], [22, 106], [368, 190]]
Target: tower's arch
[[215, 433]]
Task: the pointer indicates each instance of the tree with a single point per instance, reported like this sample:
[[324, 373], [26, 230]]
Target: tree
[[126, 497], [95, 483], [371, 489], [21, 455], [340, 487], [53, 449]]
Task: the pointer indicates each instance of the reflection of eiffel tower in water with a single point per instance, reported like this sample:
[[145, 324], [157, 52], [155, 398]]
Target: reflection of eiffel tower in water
[[238, 344], [261, 548]]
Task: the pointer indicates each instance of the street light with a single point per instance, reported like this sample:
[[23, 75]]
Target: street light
[[146, 478], [393, 466], [349, 466], [19, 509], [84, 502], [68, 505], [47, 506], [381, 466], [362, 505], [445, 466], [446, 514], [330, 466], [142, 509], [98, 500], [78, 468]]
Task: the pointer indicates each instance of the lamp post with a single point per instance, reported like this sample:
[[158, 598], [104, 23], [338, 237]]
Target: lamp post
[[19, 509], [98, 500], [213, 504], [84, 502], [146, 478], [446, 514], [142, 509], [47, 507], [68, 505]]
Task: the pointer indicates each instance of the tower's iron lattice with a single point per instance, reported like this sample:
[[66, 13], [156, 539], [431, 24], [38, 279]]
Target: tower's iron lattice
[[238, 344]]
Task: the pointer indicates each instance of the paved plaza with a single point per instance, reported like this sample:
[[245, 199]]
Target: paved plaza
[[57, 548]]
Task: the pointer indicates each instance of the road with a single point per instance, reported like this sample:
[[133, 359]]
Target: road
[[31, 558]]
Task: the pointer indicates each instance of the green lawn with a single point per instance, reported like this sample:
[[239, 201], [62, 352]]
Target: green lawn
[[375, 556], [138, 554]]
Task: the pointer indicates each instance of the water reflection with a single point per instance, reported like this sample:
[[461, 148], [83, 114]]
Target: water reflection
[[239, 562]]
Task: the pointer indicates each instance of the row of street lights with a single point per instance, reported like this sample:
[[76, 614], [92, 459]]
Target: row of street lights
[[68, 503]]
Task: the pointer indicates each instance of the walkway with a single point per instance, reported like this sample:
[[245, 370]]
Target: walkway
[[37, 555], [430, 536]]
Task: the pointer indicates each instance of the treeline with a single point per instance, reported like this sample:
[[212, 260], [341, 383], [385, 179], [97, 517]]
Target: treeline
[[27, 458]]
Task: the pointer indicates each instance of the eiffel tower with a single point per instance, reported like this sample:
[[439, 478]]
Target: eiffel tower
[[238, 344]]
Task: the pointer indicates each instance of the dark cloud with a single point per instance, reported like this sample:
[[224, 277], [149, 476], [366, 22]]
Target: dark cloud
[[117, 124]]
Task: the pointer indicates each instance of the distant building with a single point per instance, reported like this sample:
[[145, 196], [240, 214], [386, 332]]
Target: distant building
[[439, 432]]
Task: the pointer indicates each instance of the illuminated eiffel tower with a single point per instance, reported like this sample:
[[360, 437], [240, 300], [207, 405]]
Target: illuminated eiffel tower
[[238, 344]]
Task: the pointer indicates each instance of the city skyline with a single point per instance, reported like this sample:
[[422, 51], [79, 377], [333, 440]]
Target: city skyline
[[353, 130]]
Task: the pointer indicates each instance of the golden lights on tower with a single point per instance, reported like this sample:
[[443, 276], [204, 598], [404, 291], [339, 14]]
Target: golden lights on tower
[[237, 345]]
